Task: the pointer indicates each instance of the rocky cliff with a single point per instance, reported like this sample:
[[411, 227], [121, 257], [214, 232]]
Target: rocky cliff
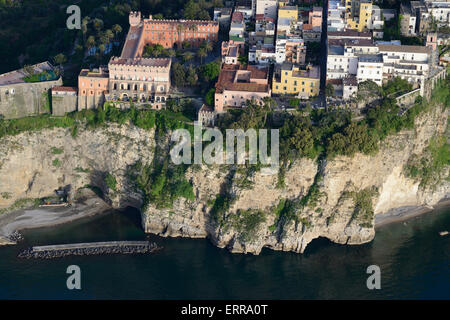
[[335, 199]]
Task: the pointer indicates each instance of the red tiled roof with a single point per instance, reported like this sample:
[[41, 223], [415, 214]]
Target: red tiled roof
[[228, 74], [237, 16], [68, 89]]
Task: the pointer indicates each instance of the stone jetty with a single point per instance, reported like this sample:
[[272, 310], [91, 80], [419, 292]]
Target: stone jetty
[[92, 248]]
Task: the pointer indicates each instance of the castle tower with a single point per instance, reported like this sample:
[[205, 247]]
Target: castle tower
[[134, 18]]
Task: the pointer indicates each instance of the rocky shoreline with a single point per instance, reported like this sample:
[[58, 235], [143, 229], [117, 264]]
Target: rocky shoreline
[[408, 212], [87, 204]]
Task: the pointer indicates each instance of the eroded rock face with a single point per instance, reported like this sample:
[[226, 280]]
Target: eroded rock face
[[34, 164], [383, 172], [29, 169]]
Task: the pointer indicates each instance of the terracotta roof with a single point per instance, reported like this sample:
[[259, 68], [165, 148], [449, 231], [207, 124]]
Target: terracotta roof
[[68, 89], [395, 48], [349, 33], [237, 17], [350, 81], [205, 108], [228, 75], [351, 42]]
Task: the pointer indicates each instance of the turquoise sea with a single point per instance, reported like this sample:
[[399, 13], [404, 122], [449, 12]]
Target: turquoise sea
[[414, 261]]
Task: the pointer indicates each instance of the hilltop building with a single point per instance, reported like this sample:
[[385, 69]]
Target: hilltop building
[[291, 79], [171, 33], [237, 84]]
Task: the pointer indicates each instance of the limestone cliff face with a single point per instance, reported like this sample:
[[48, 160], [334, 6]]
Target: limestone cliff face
[[33, 164], [332, 217]]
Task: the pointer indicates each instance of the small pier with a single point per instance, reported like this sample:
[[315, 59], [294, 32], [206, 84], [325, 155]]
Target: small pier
[[91, 248]]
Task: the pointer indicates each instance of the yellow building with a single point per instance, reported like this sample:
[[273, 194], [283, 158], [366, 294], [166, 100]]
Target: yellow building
[[358, 14], [282, 3], [291, 79], [290, 12]]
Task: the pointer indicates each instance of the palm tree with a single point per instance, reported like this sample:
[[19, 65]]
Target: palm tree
[[267, 107], [60, 59], [84, 27], [171, 53], [90, 42], [208, 46], [188, 56], [180, 29], [193, 27], [201, 53], [117, 29]]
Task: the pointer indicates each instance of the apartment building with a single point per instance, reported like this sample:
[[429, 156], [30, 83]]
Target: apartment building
[[408, 20], [291, 79], [223, 16], [370, 67], [342, 59], [411, 63], [358, 14], [336, 15], [231, 50], [440, 10], [267, 8]]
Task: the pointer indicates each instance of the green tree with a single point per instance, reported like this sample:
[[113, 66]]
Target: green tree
[[117, 29], [98, 24], [60, 59], [187, 56], [178, 75], [209, 98], [90, 42], [329, 90], [191, 76], [210, 71], [201, 53]]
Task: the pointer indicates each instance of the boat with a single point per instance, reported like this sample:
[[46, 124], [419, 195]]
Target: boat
[[443, 233]]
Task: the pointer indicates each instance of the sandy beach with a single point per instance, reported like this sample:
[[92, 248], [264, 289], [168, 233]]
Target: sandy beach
[[88, 204], [404, 213]]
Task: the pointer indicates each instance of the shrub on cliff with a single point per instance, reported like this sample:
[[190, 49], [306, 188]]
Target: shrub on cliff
[[111, 182]]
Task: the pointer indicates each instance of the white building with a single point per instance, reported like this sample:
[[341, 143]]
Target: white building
[[246, 11], [411, 63], [336, 16], [267, 7], [440, 10], [370, 67]]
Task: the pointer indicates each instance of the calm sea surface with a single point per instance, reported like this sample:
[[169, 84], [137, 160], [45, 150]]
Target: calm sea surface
[[414, 262]]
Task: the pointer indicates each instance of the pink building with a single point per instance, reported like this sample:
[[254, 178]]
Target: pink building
[[315, 17], [237, 84], [92, 86], [231, 50]]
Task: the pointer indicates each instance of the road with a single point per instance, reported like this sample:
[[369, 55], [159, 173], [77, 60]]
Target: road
[[323, 53]]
